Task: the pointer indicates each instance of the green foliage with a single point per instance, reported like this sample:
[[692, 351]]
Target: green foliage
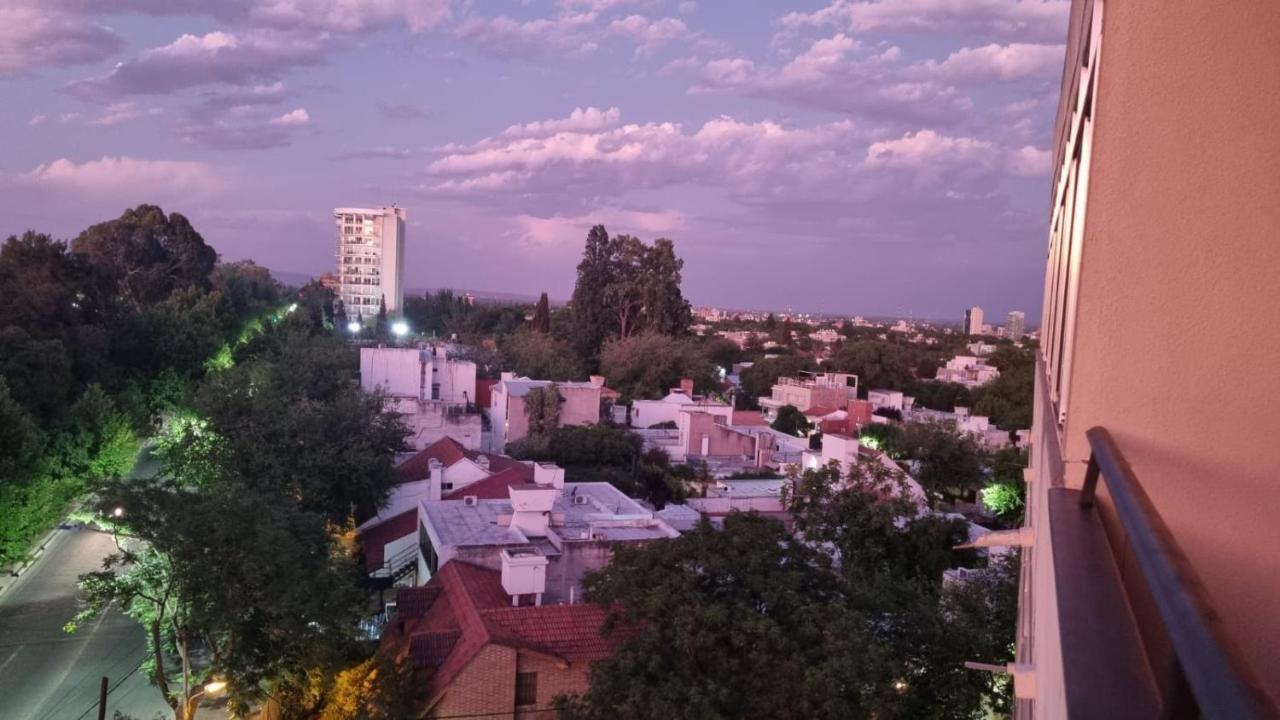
[[102, 434], [749, 622], [649, 365], [791, 421], [626, 287], [379, 688], [721, 352], [948, 464], [542, 315], [758, 380], [542, 408], [437, 314], [541, 356], [581, 446], [1005, 493], [147, 255], [878, 365], [880, 436], [941, 395]]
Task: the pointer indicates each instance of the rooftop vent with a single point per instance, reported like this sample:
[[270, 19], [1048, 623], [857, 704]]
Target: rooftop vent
[[579, 499], [470, 500]]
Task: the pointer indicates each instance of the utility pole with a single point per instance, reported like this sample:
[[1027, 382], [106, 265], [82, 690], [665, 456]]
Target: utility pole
[[102, 700]]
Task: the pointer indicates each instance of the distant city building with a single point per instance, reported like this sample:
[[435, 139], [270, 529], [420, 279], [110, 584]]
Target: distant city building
[[1015, 325], [330, 281], [833, 390], [973, 320], [967, 370], [370, 259]]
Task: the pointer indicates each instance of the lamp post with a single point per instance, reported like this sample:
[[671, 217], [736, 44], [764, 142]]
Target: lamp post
[[212, 687]]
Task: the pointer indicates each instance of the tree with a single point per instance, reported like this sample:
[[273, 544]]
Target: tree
[[650, 364], [542, 315], [791, 421], [38, 372], [591, 314], [624, 288], [540, 355], [248, 580], [380, 324], [758, 380], [719, 611], [878, 364], [101, 434], [148, 255], [542, 408], [721, 352], [948, 464]]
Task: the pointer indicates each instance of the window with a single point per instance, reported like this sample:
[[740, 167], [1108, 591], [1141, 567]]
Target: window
[[526, 688]]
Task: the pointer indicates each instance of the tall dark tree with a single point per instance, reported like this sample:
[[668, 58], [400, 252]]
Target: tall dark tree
[[665, 308], [542, 315], [592, 318], [380, 324], [147, 254], [791, 421]]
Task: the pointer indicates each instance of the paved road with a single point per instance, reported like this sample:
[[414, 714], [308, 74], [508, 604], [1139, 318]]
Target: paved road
[[46, 674]]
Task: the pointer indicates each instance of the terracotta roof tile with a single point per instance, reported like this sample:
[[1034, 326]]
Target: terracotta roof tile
[[414, 602], [447, 450], [494, 487], [429, 650]]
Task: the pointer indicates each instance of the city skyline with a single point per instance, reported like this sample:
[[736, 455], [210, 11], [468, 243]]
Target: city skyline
[[905, 143]]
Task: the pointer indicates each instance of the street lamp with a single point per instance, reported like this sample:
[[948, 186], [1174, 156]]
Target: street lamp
[[353, 327], [213, 687], [400, 328], [118, 512]]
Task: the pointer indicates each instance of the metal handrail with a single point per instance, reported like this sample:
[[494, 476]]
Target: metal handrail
[[1207, 670]]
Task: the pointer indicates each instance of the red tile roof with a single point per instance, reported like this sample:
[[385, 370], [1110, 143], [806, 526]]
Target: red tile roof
[[375, 539], [748, 418], [441, 626], [819, 411], [447, 450], [494, 487]]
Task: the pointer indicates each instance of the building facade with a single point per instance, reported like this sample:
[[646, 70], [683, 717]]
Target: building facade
[[370, 259], [973, 321], [433, 393], [1015, 325], [1149, 581]]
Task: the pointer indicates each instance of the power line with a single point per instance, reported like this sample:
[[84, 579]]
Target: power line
[[110, 690]]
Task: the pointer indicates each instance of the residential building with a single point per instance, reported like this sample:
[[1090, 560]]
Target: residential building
[[826, 336], [968, 370], [887, 399], [763, 496], [980, 349], [476, 651], [973, 321], [581, 404], [833, 390], [433, 393], [1153, 592], [370, 259], [847, 453], [648, 413], [1015, 325]]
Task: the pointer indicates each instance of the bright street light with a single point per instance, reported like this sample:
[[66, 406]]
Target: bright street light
[[215, 686], [353, 327], [118, 512], [400, 327]]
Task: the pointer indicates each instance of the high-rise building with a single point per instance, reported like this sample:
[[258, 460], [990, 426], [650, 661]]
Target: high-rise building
[[1149, 582], [370, 259], [973, 321], [1015, 325]]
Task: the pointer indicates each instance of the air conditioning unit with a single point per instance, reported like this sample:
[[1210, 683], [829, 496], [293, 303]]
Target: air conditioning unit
[[470, 500], [579, 499]]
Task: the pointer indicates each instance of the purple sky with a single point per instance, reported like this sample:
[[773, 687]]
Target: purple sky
[[877, 157]]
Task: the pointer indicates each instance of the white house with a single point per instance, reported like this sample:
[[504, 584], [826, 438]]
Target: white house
[[433, 393]]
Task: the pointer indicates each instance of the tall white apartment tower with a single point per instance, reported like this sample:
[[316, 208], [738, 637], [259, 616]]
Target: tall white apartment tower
[[973, 321], [1015, 325], [370, 259]]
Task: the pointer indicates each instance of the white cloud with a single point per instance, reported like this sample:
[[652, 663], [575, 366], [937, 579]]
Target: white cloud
[[543, 232], [1030, 161], [842, 74], [351, 16], [925, 149], [580, 119], [1016, 61], [122, 177], [294, 118], [505, 37], [648, 34], [1043, 20], [32, 36], [37, 119], [122, 112]]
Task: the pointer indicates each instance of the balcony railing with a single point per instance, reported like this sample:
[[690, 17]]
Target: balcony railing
[[1205, 676]]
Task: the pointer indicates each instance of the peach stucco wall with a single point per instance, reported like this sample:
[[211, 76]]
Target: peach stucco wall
[[1177, 349]]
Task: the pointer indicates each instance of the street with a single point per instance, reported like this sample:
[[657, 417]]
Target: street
[[46, 674]]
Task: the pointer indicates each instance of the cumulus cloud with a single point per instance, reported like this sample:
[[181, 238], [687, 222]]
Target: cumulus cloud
[[1042, 20], [580, 119], [842, 74], [123, 112], [502, 36], [648, 34], [294, 118], [1003, 63], [32, 37], [1030, 161], [351, 16], [927, 148], [543, 232], [37, 119], [121, 176], [194, 60]]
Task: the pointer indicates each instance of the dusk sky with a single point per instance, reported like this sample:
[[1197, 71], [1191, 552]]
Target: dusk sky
[[885, 157]]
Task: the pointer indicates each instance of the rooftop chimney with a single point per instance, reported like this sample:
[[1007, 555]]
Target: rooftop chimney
[[548, 474], [597, 380], [686, 386]]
